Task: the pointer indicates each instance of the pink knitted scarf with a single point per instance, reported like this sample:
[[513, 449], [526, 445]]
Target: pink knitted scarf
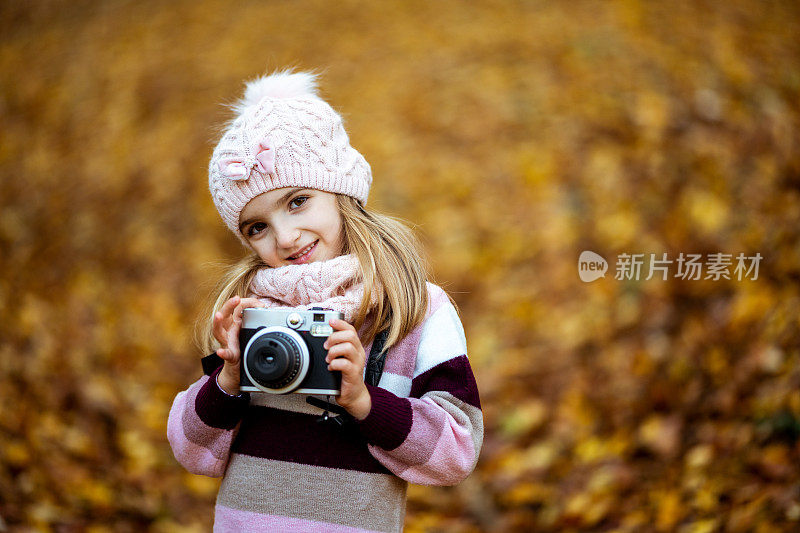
[[334, 284]]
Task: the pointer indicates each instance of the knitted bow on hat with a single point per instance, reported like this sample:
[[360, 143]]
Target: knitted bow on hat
[[239, 169]]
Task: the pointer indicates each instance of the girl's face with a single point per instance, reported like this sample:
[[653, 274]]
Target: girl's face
[[291, 226]]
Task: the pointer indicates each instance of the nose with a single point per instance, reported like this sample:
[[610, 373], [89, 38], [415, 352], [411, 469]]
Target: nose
[[286, 235]]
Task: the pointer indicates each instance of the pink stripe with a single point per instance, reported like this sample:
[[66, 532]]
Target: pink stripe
[[436, 297], [403, 356], [430, 421], [452, 458], [195, 458], [227, 520]]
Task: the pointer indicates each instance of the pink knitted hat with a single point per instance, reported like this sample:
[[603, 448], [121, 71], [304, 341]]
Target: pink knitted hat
[[283, 135]]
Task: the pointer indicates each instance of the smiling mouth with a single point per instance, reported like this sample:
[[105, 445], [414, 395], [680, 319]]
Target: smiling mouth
[[304, 253]]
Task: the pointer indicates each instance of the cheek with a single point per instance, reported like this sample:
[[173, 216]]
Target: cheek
[[327, 224], [265, 250], [336, 233]]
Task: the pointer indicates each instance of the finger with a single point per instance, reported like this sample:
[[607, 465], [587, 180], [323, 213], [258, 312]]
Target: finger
[[344, 349], [345, 366], [227, 312], [341, 336], [217, 329], [245, 303], [237, 314], [340, 325], [252, 302], [227, 307], [226, 354]]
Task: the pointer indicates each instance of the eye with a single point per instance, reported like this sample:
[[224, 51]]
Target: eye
[[298, 201], [256, 228]]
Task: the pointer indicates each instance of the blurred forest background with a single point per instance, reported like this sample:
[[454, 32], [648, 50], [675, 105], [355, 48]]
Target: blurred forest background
[[515, 134]]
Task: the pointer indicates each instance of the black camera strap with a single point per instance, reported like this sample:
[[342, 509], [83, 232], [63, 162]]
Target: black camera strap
[[211, 363], [376, 359]]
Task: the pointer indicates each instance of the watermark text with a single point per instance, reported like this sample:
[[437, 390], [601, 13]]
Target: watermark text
[[715, 266]]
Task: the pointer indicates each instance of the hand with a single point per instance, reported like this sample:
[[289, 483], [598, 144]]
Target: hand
[[226, 325], [346, 354]]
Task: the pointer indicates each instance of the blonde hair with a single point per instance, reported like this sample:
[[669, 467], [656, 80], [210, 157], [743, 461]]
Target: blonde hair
[[391, 262]]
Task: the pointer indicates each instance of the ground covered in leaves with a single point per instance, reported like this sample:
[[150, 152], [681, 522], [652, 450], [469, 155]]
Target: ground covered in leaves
[[515, 135]]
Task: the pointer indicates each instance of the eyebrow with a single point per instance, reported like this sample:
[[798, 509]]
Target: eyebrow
[[278, 202]]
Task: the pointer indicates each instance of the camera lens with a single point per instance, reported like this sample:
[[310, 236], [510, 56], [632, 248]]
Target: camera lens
[[274, 360], [271, 362]]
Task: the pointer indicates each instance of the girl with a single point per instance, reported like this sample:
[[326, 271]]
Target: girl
[[288, 184]]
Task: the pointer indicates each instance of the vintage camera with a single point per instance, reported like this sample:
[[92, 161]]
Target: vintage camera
[[282, 351]]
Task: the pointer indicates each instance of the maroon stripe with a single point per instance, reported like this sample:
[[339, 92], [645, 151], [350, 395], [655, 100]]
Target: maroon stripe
[[389, 420], [299, 438], [217, 409], [453, 376]]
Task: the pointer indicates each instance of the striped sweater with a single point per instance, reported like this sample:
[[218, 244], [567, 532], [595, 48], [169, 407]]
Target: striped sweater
[[285, 471]]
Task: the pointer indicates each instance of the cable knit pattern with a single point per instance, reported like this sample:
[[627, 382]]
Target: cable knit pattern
[[308, 143], [334, 284]]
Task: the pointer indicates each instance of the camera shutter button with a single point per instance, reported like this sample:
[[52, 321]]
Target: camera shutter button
[[294, 320]]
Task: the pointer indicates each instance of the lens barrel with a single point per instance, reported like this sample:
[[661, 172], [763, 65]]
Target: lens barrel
[[275, 361]]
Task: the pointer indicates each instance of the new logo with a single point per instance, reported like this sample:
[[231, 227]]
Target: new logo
[[591, 266]]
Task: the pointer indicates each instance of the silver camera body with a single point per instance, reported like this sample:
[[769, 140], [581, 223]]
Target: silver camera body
[[282, 351]]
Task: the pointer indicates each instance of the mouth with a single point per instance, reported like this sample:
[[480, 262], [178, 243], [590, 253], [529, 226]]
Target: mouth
[[303, 255]]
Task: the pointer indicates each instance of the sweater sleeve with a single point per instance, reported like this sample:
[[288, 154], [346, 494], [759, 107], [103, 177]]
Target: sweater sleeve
[[434, 436], [202, 424]]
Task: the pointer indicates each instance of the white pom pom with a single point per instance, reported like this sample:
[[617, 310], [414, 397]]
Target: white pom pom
[[281, 84]]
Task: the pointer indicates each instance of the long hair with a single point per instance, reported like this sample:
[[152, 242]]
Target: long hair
[[391, 262]]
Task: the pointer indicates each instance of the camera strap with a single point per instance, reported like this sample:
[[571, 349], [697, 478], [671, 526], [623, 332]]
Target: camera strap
[[376, 359], [211, 363]]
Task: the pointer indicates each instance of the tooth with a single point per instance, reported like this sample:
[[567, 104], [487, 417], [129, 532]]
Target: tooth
[[302, 252]]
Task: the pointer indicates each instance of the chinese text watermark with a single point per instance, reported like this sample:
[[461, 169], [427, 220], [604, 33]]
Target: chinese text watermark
[[716, 266]]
